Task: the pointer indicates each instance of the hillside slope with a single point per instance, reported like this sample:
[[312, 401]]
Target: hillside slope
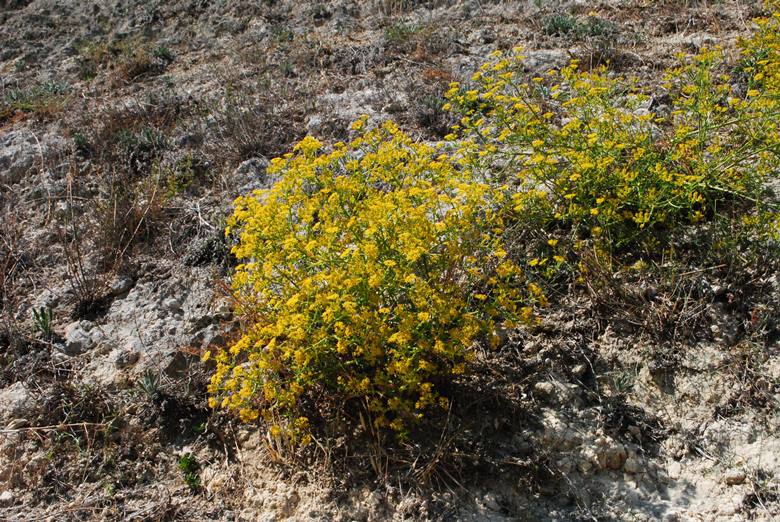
[[127, 130]]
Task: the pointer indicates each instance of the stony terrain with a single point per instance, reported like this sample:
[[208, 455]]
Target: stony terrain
[[127, 129]]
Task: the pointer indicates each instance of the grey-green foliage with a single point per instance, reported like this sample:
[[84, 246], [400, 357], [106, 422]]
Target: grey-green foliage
[[564, 24]]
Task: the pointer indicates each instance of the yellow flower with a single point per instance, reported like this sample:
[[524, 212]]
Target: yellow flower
[[359, 123]]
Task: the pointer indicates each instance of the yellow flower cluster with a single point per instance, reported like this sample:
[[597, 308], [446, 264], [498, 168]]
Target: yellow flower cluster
[[367, 274], [593, 159]]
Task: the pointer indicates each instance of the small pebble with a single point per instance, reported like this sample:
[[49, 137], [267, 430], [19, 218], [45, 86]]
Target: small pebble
[[734, 477]]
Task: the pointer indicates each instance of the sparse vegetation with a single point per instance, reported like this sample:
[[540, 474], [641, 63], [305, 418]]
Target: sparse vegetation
[[564, 24], [44, 100], [131, 59], [399, 34], [149, 384], [248, 127]]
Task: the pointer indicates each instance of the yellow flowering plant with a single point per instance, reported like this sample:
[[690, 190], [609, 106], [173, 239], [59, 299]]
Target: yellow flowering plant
[[367, 273], [593, 159]]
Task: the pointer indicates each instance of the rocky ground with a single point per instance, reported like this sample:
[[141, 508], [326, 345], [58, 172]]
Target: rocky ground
[[126, 130]]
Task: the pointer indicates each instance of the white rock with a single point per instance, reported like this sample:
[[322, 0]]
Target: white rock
[[209, 336], [579, 370], [172, 304], [731, 506], [77, 338], [6, 498], [544, 388], [558, 432], [587, 461], [314, 124], [121, 285], [545, 59], [674, 469], [124, 357], [15, 400], [17, 155], [224, 309]]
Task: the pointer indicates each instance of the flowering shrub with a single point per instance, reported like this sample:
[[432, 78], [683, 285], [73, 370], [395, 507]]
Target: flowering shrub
[[592, 158], [368, 273], [761, 59]]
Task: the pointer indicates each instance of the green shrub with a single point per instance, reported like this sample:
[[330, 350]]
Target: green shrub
[[44, 99], [163, 53], [564, 24], [399, 33]]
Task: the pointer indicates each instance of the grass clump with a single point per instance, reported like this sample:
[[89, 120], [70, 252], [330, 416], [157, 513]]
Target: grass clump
[[42, 319], [399, 33], [560, 24], [131, 59], [367, 274]]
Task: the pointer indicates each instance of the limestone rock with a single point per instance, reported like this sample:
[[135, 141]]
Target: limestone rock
[[15, 401], [77, 338], [7, 498], [124, 358]]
